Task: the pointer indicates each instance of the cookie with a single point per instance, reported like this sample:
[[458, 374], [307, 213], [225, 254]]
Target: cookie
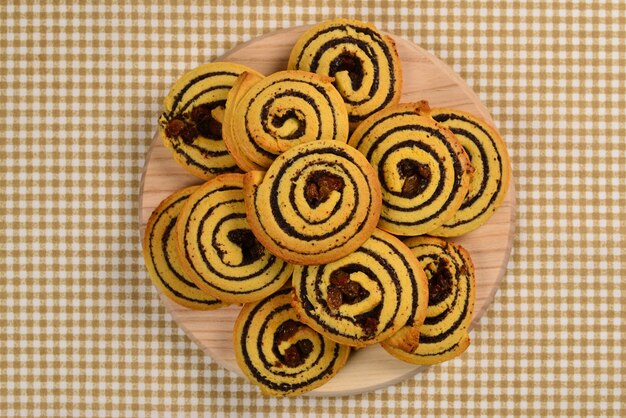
[[279, 354], [162, 260], [492, 170], [219, 251], [366, 296], [317, 202], [267, 116], [423, 170], [191, 125], [364, 63], [452, 292]]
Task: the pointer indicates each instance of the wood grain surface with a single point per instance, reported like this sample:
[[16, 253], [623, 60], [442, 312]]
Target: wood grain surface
[[424, 78]]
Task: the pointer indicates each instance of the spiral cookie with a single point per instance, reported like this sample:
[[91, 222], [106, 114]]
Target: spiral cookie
[[492, 170], [365, 297], [364, 63], [423, 169], [267, 116], [191, 126], [161, 255], [318, 202], [219, 251], [452, 291], [280, 354]]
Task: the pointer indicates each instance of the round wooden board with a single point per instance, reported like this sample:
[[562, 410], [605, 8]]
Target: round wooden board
[[425, 77]]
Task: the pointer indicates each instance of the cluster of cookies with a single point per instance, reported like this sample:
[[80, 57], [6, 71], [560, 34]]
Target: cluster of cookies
[[311, 175]]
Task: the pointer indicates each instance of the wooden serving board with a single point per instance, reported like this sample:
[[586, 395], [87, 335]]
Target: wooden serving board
[[425, 77]]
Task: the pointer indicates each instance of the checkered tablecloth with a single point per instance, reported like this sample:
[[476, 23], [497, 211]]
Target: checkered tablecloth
[[83, 331]]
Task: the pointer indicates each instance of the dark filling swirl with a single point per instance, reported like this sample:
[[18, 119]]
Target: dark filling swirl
[[264, 372], [278, 120], [251, 251], [484, 160], [444, 284], [275, 205], [346, 61], [164, 245], [369, 321]]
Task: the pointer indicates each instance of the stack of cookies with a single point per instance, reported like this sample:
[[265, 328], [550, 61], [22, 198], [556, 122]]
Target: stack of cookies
[[324, 208]]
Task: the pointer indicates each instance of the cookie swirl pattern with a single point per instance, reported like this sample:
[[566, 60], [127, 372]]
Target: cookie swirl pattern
[[162, 260], [364, 297], [318, 202], [280, 354], [267, 116], [492, 170], [219, 251], [452, 293], [191, 125], [364, 63], [423, 169]]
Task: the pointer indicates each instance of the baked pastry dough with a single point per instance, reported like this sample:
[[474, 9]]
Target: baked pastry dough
[[492, 170], [162, 259], [267, 116], [365, 297], [423, 170], [191, 125], [364, 63], [219, 251], [318, 202], [280, 354], [452, 292]]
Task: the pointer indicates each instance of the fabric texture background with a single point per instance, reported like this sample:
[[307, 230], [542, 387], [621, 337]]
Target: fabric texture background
[[83, 330]]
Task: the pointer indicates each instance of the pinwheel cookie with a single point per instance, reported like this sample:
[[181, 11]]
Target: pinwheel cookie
[[278, 353], [318, 202], [364, 63], [162, 259], [423, 169], [365, 297], [191, 125], [267, 116], [492, 170], [219, 251], [451, 296]]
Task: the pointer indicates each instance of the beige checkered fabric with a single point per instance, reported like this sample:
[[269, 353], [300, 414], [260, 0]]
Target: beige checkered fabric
[[83, 331]]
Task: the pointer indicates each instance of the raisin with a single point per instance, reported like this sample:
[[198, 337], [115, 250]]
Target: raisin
[[416, 177], [319, 185], [339, 278], [286, 330], [424, 171], [352, 290], [370, 325], [174, 128], [311, 193], [329, 183], [188, 134], [305, 347], [251, 249], [292, 356], [335, 300], [411, 186], [440, 283], [206, 124]]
